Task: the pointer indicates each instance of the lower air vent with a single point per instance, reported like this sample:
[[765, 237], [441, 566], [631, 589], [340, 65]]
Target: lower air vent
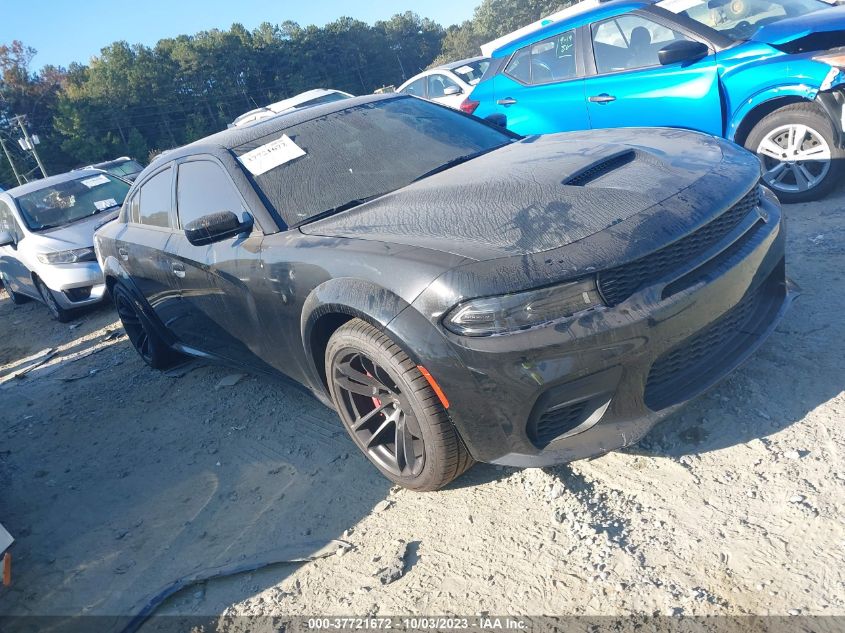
[[555, 422]]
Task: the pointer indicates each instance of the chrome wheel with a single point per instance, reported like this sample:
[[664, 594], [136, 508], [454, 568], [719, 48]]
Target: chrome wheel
[[377, 414], [796, 158], [134, 327]]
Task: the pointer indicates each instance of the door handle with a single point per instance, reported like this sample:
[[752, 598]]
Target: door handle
[[178, 270], [507, 101], [602, 98], [124, 254]]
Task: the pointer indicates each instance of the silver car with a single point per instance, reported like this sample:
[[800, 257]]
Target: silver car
[[47, 237]]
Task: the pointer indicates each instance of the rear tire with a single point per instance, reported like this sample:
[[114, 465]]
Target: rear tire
[[391, 411], [146, 341], [782, 138], [59, 313]]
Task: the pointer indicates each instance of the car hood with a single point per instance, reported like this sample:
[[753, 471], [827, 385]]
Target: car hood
[[536, 194], [77, 235], [790, 29]]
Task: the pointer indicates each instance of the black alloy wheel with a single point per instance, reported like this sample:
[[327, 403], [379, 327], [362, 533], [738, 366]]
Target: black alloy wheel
[[391, 410], [144, 339], [382, 422]]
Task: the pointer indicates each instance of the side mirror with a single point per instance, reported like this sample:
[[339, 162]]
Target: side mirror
[[497, 119], [682, 51], [451, 91], [7, 239], [216, 227]]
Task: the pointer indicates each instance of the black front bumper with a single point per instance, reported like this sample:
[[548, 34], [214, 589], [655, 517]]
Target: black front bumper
[[599, 383]]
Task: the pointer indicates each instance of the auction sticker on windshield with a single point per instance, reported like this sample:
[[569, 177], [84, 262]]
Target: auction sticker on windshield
[[96, 181], [263, 159], [105, 204]]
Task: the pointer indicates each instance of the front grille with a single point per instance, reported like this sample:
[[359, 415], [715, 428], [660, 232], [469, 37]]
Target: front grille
[[556, 422], [676, 369], [617, 284]]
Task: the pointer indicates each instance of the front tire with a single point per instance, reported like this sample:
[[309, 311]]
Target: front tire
[[146, 341], [391, 411], [17, 299], [59, 313], [798, 147]]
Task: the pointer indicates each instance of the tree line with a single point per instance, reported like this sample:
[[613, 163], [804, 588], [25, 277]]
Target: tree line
[[137, 100]]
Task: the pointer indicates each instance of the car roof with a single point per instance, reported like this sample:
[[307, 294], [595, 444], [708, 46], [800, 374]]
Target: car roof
[[572, 17], [290, 102], [236, 136], [36, 185], [459, 63]]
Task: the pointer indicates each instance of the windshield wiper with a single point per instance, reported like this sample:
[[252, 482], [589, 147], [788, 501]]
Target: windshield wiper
[[342, 207], [455, 162]]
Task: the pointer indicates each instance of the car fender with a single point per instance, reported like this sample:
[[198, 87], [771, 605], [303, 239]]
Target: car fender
[[796, 92], [112, 269], [353, 297]]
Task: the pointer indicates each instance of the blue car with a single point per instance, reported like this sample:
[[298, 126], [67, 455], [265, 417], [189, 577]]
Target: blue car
[[766, 74]]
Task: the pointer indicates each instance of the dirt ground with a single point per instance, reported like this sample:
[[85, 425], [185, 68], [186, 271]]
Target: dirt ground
[[117, 480]]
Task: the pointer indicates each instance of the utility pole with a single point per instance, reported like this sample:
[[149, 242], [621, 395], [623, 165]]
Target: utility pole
[[19, 119], [9, 158]]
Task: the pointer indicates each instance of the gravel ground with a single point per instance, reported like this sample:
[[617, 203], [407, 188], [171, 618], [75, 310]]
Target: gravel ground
[[733, 506]]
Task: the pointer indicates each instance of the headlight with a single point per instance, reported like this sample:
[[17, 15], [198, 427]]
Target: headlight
[[68, 257], [523, 310]]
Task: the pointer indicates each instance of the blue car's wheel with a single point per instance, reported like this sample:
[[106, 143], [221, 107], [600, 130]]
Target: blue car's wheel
[[800, 155]]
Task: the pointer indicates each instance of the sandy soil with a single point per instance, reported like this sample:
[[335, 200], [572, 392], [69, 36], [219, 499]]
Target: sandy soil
[[116, 480]]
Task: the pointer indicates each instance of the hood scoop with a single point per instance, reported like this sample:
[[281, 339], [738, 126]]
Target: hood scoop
[[602, 168]]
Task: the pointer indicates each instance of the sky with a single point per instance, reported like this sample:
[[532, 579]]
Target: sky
[[64, 31]]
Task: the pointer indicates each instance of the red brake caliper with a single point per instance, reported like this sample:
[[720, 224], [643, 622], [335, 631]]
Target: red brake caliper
[[376, 401]]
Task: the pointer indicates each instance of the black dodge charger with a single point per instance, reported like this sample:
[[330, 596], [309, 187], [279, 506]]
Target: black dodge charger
[[453, 291]]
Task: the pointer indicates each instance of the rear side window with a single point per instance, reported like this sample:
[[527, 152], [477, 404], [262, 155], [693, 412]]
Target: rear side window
[[156, 200], [415, 88], [204, 187], [629, 42], [546, 61]]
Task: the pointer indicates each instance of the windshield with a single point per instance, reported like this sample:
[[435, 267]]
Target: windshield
[[72, 200], [361, 152], [471, 73], [740, 19]]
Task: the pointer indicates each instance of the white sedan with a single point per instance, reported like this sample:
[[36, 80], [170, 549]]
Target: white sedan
[[448, 84]]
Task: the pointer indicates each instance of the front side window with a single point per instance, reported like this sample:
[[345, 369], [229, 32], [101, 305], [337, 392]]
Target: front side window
[[437, 85], [629, 42], [337, 160], [415, 88], [203, 188], [740, 19], [546, 61], [156, 200], [71, 201]]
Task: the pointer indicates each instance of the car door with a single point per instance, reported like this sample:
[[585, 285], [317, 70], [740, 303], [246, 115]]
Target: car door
[[541, 89], [143, 245], [13, 270], [416, 88], [219, 310], [631, 88], [444, 90]]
